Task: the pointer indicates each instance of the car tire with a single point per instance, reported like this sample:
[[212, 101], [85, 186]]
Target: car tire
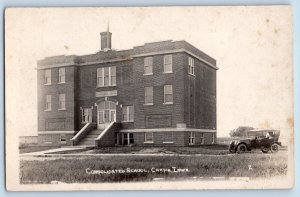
[[274, 148], [242, 148], [265, 150]]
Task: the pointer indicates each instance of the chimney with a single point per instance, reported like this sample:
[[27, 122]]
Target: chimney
[[106, 40]]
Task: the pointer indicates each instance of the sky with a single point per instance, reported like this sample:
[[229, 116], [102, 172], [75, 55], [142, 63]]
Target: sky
[[252, 46]]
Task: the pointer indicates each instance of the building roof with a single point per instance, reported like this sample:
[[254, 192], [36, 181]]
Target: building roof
[[148, 49]]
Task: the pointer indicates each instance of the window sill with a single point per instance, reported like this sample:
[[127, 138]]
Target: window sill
[[168, 72], [168, 103], [148, 104], [61, 82], [125, 121], [148, 74], [62, 109], [48, 110], [106, 86], [192, 74], [149, 142], [47, 84], [168, 142]]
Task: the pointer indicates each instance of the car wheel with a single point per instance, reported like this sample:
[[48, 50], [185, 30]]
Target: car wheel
[[274, 148], [242, 148], [265, 150]]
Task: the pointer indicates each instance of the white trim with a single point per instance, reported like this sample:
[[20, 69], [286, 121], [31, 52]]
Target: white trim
[[131, 57], [149, 142], [166, 130], [148, 104], [55, 132], [147, 74], [168, 142]]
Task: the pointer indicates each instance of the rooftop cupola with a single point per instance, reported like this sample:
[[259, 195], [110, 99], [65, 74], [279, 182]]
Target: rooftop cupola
[[106, 40]]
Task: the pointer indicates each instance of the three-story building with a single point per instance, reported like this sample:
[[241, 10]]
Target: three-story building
[[161, 93]]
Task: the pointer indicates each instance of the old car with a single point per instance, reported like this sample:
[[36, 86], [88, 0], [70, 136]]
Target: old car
[[264, 139]]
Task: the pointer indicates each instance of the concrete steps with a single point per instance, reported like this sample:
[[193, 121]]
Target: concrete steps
[[89, 139]]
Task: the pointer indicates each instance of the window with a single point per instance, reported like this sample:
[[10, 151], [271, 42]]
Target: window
[[168, 94], [192, 138], [131, 139], [168, 137], [48, 103], [167, 63], [191, 66], [149, 95], [128, 138], [113, 75], [128, 113], [202, 138], [100, 77], [148, 61], [62, 101], [213, 138], [61, 75], [63, 139], [149, 137], [106, 76], [86, 115], [48, 77]]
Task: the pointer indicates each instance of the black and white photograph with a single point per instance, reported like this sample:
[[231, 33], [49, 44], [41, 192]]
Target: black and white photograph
[[149, 98]]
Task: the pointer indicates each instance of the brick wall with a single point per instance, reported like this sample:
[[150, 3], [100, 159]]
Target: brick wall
[[60, 120], [158, 80], [200, 96], [87, 87], [54, 139]]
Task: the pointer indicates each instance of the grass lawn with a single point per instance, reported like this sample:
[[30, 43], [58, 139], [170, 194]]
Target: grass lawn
[[205, 149], [146, 168]]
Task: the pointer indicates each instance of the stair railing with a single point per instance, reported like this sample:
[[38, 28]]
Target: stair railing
[[82, 133]]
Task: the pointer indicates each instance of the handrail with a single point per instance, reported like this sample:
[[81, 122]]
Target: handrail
[[81, 131], [104, 131]]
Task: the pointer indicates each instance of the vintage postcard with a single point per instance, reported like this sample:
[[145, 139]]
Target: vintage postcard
[[149, 98]]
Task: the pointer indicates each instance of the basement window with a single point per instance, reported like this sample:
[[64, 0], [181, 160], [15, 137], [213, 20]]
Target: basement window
[[149, 137], [63, 139]]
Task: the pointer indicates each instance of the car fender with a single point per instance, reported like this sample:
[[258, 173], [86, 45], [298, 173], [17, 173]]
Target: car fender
[[244, 144]]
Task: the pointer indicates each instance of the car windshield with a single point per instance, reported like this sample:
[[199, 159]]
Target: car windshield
[[263, 133]]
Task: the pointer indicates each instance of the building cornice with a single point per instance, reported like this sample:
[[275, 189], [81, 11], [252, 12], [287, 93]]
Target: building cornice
[[182, 50]]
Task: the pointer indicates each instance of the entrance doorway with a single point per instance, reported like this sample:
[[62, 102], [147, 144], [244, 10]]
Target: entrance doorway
[[106, 113]]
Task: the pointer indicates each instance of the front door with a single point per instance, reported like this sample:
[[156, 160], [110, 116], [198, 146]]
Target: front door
[[106, 113]]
